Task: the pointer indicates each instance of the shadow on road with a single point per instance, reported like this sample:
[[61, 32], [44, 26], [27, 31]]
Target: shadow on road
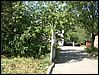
[[69, 56]]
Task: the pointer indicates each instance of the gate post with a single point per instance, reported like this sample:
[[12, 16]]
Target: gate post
[[52, 53]]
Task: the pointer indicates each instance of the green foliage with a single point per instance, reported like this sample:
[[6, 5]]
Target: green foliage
[[88, 16], [92, 50], [24, 35], [78, 35], [26, 25]]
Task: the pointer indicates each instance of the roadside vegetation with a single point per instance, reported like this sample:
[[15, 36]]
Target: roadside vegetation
[[92, 51], [26, 31], [23, 65]]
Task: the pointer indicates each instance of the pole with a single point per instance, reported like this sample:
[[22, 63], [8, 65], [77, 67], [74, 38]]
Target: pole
[[52, 43]]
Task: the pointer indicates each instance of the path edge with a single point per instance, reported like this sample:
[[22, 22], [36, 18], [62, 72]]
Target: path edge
[[49, 71]]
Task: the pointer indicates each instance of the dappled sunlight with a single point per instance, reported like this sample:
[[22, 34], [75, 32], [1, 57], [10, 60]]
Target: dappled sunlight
[[71, 55], [72, 61]]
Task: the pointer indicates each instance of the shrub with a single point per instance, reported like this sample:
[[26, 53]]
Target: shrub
[[29, 43], [92, 50]]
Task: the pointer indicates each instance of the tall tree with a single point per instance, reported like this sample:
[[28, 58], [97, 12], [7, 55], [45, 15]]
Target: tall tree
[[88, 16]]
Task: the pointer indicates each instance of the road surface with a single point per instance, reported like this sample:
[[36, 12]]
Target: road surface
[[73, 60]]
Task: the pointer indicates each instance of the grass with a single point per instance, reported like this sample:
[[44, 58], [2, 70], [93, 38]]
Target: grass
[[24, 65]]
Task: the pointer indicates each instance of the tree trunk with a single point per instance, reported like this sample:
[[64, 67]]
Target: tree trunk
[[93, 37]]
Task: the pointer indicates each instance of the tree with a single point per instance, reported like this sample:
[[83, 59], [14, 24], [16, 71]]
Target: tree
[[11, 12], [88, 15], [26, 25], [22, 32]]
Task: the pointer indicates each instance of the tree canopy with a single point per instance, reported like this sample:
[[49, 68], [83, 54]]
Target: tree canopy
[[26, 25]]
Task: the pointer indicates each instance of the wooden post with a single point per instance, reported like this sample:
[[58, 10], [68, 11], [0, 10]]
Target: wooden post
[[52, 53]]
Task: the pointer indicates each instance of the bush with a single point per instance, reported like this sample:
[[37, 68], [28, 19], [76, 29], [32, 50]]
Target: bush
[[29, 43], [92, 50]]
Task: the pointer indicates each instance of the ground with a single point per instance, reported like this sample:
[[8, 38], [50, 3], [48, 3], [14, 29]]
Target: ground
[[73, 60]]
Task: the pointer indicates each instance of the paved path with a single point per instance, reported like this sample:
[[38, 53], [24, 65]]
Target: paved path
[[73, 60]]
